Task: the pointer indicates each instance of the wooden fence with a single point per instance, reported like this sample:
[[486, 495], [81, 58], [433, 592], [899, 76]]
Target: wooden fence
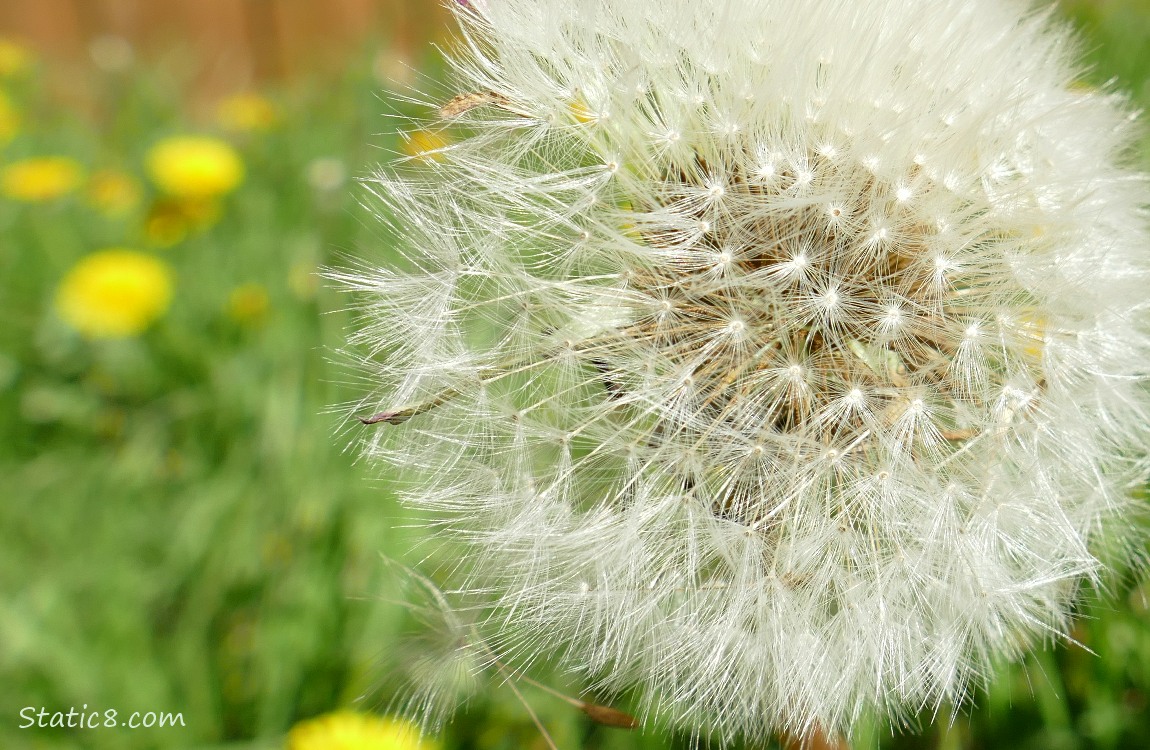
[[237, 42]]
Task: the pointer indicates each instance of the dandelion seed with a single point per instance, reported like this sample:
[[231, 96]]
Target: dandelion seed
[[467, 102]]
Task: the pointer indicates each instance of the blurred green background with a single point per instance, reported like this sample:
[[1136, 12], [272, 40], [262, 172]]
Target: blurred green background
[[183, 527]]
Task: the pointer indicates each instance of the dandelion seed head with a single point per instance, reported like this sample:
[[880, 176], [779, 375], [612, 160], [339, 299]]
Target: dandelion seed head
[[795, 380]]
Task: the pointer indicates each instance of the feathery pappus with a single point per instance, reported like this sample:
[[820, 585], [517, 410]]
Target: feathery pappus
[[778, 361]]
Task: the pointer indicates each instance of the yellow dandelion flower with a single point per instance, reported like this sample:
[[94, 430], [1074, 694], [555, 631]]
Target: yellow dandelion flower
[[9, 120], [41, 178], [425, 145], [347, 730], [15, 58], [114, 293], [248, 304], [171, 220], [247, 113], [113, 193], [195, 166]]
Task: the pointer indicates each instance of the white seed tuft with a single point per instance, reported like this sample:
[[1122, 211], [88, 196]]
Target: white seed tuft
[[793, 390]]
